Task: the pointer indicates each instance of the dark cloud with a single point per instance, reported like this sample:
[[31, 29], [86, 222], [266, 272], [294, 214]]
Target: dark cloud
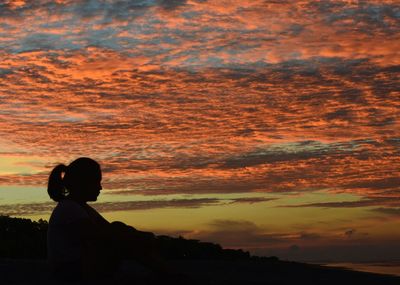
[[340, 114], [295, 30], [47, 207], [365, 202], [294, 248], [40, 208], [366, 16], [381, 184], [111, 10], [237, 234], [5, 71], [172, 4], [309, 236], [46, 42], [120, 9], [291, 152], [191, 186], [295, 151], [35, 73], [388, 211], [349, 233], [100, 30], [246, 234], [154, 204], [252, 200]]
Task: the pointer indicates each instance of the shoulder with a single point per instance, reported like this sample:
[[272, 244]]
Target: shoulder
[[68, 211]]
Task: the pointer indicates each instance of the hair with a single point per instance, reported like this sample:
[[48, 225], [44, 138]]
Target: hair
[[76, 174]]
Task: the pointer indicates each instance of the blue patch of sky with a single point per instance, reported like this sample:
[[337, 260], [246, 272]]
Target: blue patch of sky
[[373, 14], [45, 42], [311, 146]]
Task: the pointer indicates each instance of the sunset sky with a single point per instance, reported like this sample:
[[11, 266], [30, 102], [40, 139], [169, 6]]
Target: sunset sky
[[267, 125]]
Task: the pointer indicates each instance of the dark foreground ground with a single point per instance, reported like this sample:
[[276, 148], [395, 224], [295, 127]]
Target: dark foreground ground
[[207, 272]]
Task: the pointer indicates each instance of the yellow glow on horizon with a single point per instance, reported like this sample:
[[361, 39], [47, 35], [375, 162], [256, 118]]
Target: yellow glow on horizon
[[12, 164]]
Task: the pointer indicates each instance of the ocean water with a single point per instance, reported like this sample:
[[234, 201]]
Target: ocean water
[[386, 267]]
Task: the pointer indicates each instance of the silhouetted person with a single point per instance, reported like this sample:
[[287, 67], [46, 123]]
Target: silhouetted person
[[81, 243]]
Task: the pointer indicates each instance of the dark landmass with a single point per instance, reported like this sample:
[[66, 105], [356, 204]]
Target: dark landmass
[[23, 252], [23, 238]]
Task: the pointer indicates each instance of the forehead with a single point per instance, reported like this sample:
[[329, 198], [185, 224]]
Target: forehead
[[95, 173]]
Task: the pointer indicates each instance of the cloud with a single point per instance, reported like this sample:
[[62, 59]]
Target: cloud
[[47, 207], [309, 236], [5, 71], [238, 34], [365, 202], [304, 245], [41, 208], [388, 211], [199, 97], [286, 152], [45, 41], [252, 200], [366, 15], [26, 209], [154, 204], [349, 233], [246, 234], [236, 234], [172, 4], [385, 183]]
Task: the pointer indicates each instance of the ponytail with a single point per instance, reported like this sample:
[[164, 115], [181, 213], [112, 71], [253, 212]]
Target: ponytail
[[56, 188]]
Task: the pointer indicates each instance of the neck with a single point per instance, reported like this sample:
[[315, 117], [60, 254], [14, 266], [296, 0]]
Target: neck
[[76, 199]]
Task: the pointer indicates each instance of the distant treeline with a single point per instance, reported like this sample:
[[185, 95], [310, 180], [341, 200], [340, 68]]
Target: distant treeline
[[24, 238], [181, 248]]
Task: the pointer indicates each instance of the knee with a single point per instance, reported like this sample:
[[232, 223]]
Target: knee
[[121, 227]]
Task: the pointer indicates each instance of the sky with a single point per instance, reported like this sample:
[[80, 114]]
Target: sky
[[271, 126]]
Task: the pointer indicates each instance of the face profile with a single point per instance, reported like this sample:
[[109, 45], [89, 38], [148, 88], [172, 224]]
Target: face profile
[[92, 186]]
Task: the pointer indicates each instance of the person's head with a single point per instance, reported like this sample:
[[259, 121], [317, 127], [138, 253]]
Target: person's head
[[80, 181]]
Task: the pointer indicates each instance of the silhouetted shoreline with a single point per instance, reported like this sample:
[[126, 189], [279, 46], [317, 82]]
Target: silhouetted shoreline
[[23, 253], [391, 267], [27, 271]]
